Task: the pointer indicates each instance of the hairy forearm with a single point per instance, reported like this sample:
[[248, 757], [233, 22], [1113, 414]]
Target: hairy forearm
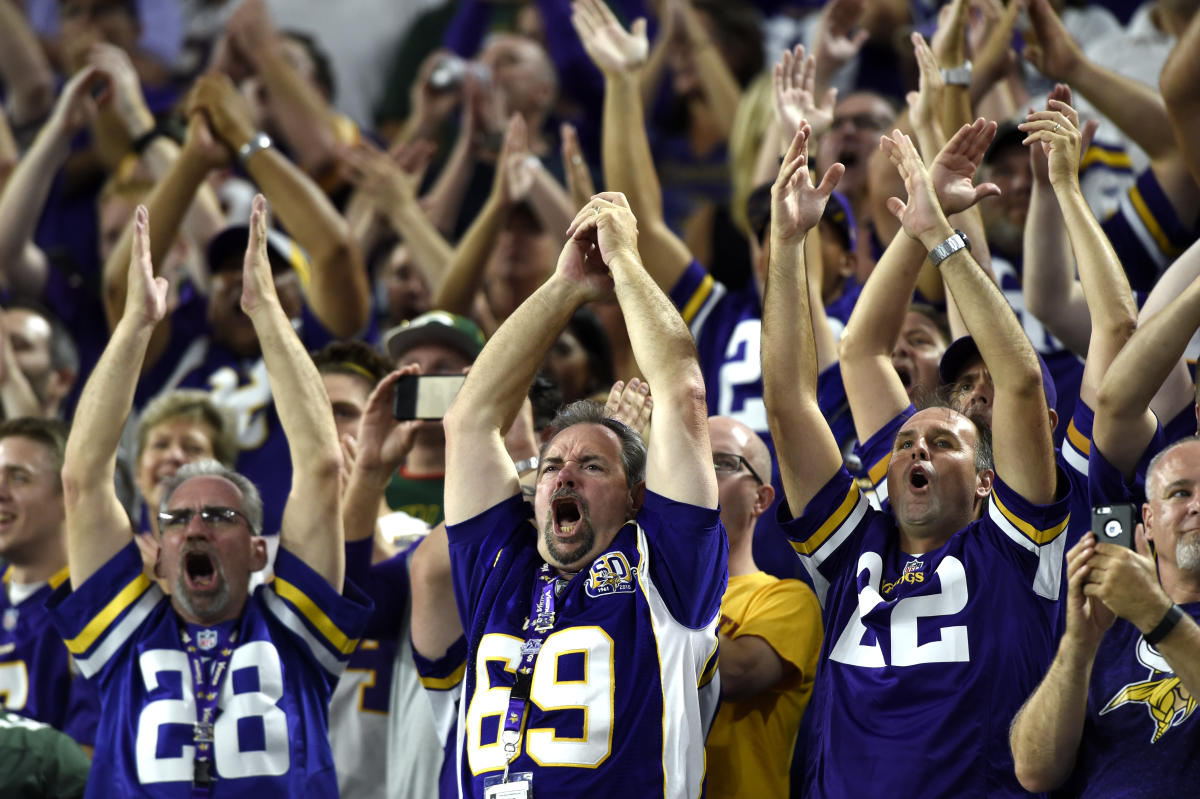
[[787, 341], [464, 275], [1052, 294], [1046, 732], [628, 163], [168, 203]]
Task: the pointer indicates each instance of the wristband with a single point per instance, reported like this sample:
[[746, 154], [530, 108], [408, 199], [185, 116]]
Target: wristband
[[958, 241], [142, 143], [259, 141], [959, 75], [1169, 620], [528, 464]]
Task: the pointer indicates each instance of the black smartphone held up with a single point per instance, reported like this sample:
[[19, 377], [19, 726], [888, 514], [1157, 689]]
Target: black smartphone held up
[[425, 396], [1113, 524]]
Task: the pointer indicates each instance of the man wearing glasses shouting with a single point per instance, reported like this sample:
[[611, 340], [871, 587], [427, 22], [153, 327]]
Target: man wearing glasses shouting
[[770, 633], [208, 683]]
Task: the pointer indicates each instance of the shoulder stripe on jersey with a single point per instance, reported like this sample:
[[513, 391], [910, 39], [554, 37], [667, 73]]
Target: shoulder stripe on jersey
[[119, 635], [835, 520], [1152, 226], [59, 577], [1113, 159], [1037, 536], [697, 300], [1075, 459], [100, 622], [320, 649], [710, 668], [1078, 440], [338, 639], [878, 472], [445, 683]]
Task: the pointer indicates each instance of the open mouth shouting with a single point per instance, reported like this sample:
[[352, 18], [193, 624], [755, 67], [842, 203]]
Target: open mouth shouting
[[918, 478], [566, 512], [200, 570]]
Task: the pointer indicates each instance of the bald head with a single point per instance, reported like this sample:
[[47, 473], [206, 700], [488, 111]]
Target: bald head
[[730, 435]]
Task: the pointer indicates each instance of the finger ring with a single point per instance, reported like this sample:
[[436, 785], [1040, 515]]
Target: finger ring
[[596, 210], [577, 159], [1057, 125]]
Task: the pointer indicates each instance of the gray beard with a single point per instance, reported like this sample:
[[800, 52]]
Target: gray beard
[[212, 606], [585, 537], [1187, 553]]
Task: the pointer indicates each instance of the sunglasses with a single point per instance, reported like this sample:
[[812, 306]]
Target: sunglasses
[[728, 463], [210, 515]]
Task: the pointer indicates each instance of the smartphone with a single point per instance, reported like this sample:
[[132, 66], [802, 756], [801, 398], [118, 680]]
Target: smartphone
[[425, 396], [1113, 524]]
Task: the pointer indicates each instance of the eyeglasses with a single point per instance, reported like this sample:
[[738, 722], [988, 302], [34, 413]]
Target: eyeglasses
[[211, 515], [728, 463]]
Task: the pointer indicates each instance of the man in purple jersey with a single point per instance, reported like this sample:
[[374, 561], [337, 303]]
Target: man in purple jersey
[[1116, 712], [209, 688], [36, 675], [935, 618], [590, 616]]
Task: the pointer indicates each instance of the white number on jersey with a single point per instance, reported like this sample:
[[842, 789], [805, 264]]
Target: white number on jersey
[[950, 647], [734, 374], [593, 695], [231, 762], [14, 685], [245, 401]]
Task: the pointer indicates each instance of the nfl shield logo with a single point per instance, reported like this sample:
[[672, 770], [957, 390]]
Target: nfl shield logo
[[10, 619], [206, 639], [914, 566]]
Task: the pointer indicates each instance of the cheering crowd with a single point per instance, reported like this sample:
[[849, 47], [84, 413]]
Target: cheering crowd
[[540, 398]]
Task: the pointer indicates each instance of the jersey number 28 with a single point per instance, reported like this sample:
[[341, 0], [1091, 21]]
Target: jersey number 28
[[231, 762]]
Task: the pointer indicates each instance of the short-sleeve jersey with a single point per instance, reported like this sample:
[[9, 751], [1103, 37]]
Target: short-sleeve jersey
[[927, 657], [271, 728], [36, 676], [749, 748], [194, 359], [1146, 233], [624, 688], [1141, 735]]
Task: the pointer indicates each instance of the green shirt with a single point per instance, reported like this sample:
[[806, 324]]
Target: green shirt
[[37, 760], [421, 497]]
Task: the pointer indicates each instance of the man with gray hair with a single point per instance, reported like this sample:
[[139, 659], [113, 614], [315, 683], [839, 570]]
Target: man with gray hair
[[209, 684]]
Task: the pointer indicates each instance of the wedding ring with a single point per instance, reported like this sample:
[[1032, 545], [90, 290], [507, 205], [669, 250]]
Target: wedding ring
[[576, 159], [1057, 125], [596, 210]]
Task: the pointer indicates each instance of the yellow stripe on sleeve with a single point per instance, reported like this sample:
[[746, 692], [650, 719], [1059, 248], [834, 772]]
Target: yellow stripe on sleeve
[[314, 614], [1078, 440], [447, 682], [878, 472], [1152, 226], [710, 671], [814, 541], [699, 296], [101, 621], [1039, 537], [1099, 155]]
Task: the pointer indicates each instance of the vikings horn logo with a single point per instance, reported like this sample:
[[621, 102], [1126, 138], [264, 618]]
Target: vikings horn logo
[[1168, 701]]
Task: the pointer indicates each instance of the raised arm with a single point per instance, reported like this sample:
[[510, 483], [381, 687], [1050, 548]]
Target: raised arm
[[1110, 301], [97, 525], [1024, 451], [628, 163], [679, 458], [1124, 424], [23, 266], [873, 387], [721, 90], [808, 454], [1180, 86], [1045, 734], [337, 289], [312, 519], [24, 68], [479, 472]]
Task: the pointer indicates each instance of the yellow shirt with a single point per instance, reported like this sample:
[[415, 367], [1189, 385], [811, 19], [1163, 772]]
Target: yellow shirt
[[749, 749]]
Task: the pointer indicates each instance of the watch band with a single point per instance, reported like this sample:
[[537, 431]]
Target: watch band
[[526, 465], [959, 75], [953, 244], [259, 141], [1169, 620]]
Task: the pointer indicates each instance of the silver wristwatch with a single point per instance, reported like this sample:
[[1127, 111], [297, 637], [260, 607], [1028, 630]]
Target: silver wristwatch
[[259, 141], [948, 247], [526, 465], [959, 75]]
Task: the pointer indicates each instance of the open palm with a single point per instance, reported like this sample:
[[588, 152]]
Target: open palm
[[611, 47], [953, 169]]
